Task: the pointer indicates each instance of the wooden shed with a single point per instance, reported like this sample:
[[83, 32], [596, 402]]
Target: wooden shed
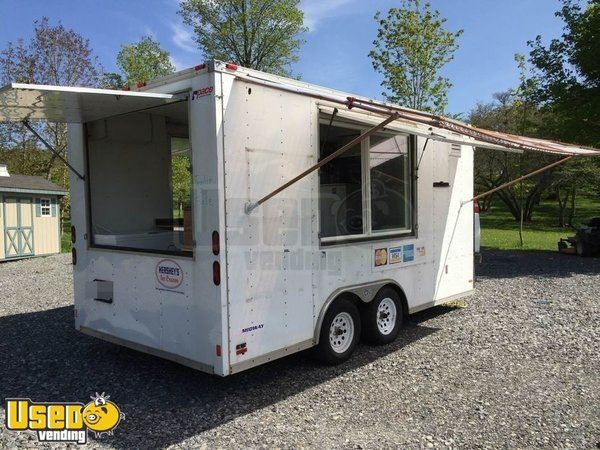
[[29, 216]]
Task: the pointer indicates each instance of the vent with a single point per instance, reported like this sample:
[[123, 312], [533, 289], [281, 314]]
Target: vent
[[455, 150]]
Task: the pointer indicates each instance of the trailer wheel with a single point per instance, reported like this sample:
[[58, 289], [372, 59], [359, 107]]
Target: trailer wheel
[[339, 332], [382, 318]]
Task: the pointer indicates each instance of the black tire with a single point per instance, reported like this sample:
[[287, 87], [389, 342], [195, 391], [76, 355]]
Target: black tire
[[341, 310], [386, 331]]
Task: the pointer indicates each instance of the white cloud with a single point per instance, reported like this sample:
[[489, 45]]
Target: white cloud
[[317, 10], [183, 38], [177, 63]]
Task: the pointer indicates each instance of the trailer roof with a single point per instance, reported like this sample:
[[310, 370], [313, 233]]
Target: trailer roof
[[20, 102], [31, 102]]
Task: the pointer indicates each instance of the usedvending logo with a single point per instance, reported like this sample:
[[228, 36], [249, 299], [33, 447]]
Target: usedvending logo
[[169, 274], [64, 422]]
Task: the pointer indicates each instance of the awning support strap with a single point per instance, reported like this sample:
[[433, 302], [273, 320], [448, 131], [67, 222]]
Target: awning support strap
[[52, 150], [252, 206], [513, 182]]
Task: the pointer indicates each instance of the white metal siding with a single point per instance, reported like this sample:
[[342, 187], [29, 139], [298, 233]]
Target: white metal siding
[[187, 322]]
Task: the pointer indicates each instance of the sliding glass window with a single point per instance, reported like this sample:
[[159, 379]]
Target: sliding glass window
[[368, 191]]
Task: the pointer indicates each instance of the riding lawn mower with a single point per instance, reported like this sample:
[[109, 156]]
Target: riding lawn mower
[[585, 243]]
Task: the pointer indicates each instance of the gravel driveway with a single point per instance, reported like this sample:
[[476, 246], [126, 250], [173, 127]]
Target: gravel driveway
[[514, 366]]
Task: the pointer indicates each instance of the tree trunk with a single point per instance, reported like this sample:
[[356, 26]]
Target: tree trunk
[[562, 207], [573, 203]]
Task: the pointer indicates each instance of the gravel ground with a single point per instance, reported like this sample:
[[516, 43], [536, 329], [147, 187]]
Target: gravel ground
[[515, 366]]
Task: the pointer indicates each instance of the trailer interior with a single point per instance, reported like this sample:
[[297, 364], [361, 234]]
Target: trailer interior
[[140, 181]]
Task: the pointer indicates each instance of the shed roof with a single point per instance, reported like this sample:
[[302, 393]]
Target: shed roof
[[30, 184]]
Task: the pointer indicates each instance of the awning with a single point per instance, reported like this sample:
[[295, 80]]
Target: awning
[[438, 127], [19, 102], [410, 127]]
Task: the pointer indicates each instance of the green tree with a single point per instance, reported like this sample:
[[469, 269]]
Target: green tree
[[578, 176], [511, 112], [567, 73], [112, 80], [259, 34], [143, 61], [54, 55], [411, 48], [182, 182]]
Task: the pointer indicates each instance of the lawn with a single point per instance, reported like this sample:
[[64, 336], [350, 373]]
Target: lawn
[[500, 231], [65, 237]]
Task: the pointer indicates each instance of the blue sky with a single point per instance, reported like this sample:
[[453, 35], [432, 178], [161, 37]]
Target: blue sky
[[340, 37]]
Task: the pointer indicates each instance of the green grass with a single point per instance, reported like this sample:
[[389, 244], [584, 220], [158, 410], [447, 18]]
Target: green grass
[[65, 237], [499, 230]]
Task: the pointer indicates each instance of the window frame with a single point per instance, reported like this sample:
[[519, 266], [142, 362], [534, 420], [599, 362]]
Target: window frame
[[368, 233], [45, 199], [185, 255]]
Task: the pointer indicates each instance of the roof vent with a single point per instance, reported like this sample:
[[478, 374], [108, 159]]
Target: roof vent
[[4, 171]]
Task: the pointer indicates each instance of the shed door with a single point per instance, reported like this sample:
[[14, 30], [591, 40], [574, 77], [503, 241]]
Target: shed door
[[18, 239]]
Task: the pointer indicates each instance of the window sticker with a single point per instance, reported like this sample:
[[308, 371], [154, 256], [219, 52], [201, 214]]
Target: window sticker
[[381, 257], [409, 253], [395, 255]]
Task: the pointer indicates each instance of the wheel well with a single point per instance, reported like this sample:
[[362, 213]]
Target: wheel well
[[348, 296], [360, 304]]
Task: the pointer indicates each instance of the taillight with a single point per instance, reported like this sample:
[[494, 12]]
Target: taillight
[[216, 246], [73, 235], [74, 256], [217, 273], [476, 207]]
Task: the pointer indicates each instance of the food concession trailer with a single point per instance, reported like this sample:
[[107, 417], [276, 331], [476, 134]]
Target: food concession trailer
[[224, 217]]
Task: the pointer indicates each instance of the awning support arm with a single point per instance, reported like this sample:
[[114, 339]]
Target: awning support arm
[[52, 150], [513, 182], [422, 154], [252, 206]]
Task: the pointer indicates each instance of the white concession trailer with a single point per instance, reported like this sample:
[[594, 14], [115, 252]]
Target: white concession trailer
[[224, 217]]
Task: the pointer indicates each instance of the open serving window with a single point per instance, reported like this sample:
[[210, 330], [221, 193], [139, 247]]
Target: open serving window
[[139, 169], [140, 181]]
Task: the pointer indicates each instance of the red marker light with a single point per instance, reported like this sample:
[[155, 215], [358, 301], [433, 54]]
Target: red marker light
[[216, 273], [476, 207], [126, 88], [141, 84], [218, 350], [216, 246], [200, 67], [231, 66]]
